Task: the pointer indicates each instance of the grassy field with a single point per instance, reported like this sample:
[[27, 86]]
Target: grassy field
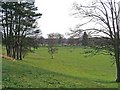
[[69, 69]]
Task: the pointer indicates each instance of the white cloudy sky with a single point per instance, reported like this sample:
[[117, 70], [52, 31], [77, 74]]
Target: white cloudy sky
[[56, 15]]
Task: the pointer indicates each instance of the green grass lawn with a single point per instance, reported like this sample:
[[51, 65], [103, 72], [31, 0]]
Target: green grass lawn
[[69, 69]]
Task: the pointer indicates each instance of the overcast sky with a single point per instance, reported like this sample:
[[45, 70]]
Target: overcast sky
[[56, 15]]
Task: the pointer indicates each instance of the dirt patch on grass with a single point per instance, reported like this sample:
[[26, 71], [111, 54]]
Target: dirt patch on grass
[[7, 57]]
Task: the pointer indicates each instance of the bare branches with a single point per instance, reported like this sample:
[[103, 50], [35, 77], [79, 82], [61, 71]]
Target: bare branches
[[106, 14]]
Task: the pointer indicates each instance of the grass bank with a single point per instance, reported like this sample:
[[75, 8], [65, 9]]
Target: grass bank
[[69, 69]]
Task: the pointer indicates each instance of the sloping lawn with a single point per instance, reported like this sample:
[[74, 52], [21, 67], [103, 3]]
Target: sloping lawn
[[69, 69]]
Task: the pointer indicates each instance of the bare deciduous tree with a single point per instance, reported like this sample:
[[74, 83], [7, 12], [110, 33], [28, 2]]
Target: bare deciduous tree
[[105, 15], [52, 41]]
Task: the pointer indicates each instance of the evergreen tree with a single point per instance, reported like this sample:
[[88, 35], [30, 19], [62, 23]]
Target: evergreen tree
[[85, 39], [18, 22]]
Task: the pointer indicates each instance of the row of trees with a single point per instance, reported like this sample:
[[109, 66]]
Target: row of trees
[[60, 40], [55, 39], [18, 21]]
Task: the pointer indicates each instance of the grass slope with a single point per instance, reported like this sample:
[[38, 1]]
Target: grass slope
[[68, 69]]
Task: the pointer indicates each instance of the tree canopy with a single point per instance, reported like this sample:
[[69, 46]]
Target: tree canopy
[[18, 21]]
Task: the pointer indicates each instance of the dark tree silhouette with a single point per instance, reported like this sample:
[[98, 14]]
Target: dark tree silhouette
[[18, 21], [85, 39]]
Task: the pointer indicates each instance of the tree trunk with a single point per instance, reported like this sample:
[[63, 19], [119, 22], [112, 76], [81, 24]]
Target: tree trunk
[[11, 34], [14, 52], [6, 25], [117, 57], [17, 49], [117, 65], [17, 52], [118, 74], [52, 56], [21, 50]]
